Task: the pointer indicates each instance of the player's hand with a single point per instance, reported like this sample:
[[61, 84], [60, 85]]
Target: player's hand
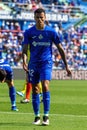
[[69, 73]]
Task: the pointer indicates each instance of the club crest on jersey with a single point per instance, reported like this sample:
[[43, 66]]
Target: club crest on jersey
[[40, 36]]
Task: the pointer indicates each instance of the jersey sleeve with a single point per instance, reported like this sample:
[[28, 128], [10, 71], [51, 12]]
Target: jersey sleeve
[[25, 40], [56, 38]]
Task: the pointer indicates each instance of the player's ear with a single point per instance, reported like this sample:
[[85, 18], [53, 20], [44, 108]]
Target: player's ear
[[46, 22]]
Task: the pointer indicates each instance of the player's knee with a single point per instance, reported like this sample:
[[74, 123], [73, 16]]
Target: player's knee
[[35, 90], [45, 85]]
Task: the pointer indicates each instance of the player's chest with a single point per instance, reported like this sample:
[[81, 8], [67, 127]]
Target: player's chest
[[43, 36]]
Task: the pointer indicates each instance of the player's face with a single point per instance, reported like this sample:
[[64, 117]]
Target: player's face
[[40, 19]]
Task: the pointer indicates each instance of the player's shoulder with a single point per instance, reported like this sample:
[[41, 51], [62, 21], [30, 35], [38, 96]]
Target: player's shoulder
[[49, 28], [29, 29]]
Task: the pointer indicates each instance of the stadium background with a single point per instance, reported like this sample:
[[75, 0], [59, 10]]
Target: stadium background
[[67, 17]]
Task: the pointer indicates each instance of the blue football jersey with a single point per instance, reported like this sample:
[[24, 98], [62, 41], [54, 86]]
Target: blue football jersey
[[40, 42], [4, 65]]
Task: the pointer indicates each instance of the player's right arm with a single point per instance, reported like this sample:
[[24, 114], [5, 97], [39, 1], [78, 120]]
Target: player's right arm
[[24, 56]]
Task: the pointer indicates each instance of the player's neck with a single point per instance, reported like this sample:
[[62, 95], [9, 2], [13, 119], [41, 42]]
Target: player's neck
[[40, 27]]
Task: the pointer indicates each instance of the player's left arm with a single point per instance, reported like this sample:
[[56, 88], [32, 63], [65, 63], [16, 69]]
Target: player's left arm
[[62, 53], [24, 56]]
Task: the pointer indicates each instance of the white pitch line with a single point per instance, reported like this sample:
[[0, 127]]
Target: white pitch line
[[63, 115]]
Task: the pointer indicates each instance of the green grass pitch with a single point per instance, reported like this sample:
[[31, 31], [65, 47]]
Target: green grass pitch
[[68, 107]]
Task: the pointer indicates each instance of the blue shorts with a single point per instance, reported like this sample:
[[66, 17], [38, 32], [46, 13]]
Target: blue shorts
[[9, 71], [40, 71], [9, 75]]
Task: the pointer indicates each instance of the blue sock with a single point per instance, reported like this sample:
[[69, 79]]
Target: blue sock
[[12, 95], [46, 102], [36, 104]]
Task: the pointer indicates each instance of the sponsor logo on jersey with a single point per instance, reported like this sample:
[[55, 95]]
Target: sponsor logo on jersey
[[41, 43]]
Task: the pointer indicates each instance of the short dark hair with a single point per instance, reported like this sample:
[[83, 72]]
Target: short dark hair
[[39, 10], [2, 74]]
